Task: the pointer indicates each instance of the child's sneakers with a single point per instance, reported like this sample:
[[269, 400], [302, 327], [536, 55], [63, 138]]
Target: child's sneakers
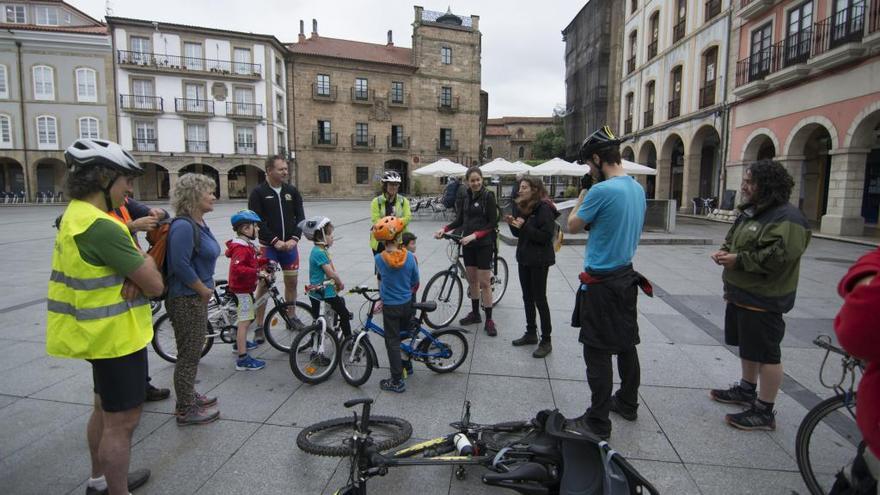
[[248, 363], [250, 346], [398, 386]]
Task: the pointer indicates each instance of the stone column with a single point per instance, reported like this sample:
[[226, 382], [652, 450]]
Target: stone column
[[172, 181], [690, 184], [30, 182], [845, 190], [794, 164], [661, 181], [224, 186]]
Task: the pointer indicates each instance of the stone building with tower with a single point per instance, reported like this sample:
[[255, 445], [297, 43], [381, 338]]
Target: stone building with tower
[[360, 108]]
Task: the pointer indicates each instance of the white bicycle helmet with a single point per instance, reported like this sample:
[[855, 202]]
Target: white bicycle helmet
[[101, 153], [312, 225], [391, 176]]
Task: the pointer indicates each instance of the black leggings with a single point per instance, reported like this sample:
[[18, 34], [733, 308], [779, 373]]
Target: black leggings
[[533, 280], [338, 305]]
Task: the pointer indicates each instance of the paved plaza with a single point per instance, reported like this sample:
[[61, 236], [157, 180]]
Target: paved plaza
[[679, 441]]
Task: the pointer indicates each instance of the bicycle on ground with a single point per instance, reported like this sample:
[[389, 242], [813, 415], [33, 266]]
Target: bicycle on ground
[[447, 289], [222, 315], [828, 435]]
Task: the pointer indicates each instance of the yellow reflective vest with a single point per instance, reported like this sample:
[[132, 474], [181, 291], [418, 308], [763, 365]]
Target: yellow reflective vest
[[87, 317]]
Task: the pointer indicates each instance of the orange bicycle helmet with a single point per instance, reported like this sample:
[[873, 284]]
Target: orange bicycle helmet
[[387, 228]]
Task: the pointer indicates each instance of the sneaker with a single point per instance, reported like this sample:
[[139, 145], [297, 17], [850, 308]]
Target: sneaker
[[319, 359], [196, 415], [752, 419], [398, 386], [527, 339], [736, 394], [618, 408], [407, 368], [490, 329], [136, 479], [154, 394], [581, 425], [251, 345], [205, 401], [297, 324], [470, 319], [248, 363], [543, 349], [259, 337]]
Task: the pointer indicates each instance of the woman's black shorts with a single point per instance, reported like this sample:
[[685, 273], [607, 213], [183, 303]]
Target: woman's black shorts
[[478, 256]]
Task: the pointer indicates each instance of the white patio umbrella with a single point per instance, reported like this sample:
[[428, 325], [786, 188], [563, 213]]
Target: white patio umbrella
[[633, 168], [443, 167], [558, 166], [500, 166]]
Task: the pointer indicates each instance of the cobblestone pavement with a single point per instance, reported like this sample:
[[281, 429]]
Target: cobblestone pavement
[[679, 442]]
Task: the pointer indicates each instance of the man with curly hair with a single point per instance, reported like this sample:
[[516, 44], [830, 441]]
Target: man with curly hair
[[761, 259]]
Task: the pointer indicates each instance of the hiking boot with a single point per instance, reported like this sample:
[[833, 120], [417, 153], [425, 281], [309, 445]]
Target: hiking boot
[[471, 318], [581, 425], [251, 345], [204, 401], [490, 329], [248, 363], [621, 410], [398, 386], [753, 419], [528, 338], [154, 394], [543, 349], [136, 479], [736, 394], [196, 415]]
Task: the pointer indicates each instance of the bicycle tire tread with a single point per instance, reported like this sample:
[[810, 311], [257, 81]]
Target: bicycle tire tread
[[403, 431]]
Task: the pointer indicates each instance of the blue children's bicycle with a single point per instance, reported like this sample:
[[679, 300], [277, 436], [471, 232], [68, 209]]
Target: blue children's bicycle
[[319, 347]]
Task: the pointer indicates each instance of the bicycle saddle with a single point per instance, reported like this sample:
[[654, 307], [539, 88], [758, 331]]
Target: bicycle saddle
[[529, 471], [426, 306]]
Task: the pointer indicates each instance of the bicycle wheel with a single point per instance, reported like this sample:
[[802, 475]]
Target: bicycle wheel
[[819, 459], [314, 354], [332, 438], [356, 361], [446, 289], [446, 351], [279, 328], [500, 277], [496, 437], [164, 342]]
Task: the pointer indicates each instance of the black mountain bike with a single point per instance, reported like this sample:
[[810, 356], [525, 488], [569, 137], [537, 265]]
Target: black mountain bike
[[819, 459]]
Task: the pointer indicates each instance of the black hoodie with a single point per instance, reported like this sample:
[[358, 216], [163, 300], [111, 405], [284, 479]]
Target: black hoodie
[[535, 244]]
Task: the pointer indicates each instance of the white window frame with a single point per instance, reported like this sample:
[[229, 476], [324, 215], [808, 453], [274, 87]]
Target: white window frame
[[4, 82], [45, 11], [194, 61], [148, 128], [50, 131], [89, 121], [84, 85], [51, 83], [15, 7], [199, 131], [250, 143], [5, 120], [242, 65]]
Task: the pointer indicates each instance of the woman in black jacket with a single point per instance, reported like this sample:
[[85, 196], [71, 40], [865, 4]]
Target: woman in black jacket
[[533, 223], [477, 218]]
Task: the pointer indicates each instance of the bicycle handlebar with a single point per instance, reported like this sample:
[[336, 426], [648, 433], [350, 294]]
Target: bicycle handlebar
[[824, 341], [322, 285], [362, 289]]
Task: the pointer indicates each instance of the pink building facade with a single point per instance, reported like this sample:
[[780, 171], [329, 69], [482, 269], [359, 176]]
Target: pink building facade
[[806, 93]]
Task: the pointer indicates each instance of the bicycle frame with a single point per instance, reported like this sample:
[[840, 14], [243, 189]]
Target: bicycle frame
[[409, 348]]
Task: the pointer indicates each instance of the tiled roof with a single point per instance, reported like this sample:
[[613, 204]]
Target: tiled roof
[[520, 120], [496, 130], [353, 50], [97, 30]]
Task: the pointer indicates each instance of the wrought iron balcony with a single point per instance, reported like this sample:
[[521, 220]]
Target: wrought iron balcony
[[193, 146], [145, 144], [845, 26], [448, 104], [678, 30], [362, 96], [674, 108], [324, 92], [754, 67], [244, 110], [648, 118], [176, 63], [707, 94], [363, 142], [194, 106], [325, 140], [282, 150], [631, 64], [245, 148], [446, 147], [628, 125], [141, 104], [398, 143], [713, 8], [652, 49]]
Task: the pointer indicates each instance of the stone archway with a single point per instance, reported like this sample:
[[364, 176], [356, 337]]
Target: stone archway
[[648, 157], [12, 177], [863, 137], [759, 147], [201, 168], [155, 183], [50, 177], [810, 146], [627, 154], [243, 179], [703, 169], [402, 168], [672, 163]]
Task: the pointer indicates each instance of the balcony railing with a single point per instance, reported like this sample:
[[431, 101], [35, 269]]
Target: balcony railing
[[631, 65], [245, 148], [145, 144], [674, 108], [399, 143], [282, 150], [628, 125], [398, 100], [648, 118], [196, 146], [652, 49], [797, 48], [713, 8], [279, 116], [328, 140], [845, 26], [177, 63], [447, 105], [194, 106], [363, 142], [754, 67], [142, 104], [363, 96], [244, 110], [447, 146], [678, 30], [324, 93], [707, 94]]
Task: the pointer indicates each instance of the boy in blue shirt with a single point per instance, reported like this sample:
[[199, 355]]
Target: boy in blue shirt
[[399, 275]]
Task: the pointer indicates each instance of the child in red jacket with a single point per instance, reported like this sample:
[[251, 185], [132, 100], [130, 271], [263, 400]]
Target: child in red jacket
[[858, 329], [244, 269]]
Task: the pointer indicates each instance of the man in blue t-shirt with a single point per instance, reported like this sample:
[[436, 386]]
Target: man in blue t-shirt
[[605, 309]]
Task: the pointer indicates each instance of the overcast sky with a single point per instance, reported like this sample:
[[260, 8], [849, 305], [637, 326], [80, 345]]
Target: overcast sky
[[523, 65]]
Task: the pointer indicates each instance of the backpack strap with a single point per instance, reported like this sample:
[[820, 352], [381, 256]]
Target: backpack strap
[[197, 234]]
